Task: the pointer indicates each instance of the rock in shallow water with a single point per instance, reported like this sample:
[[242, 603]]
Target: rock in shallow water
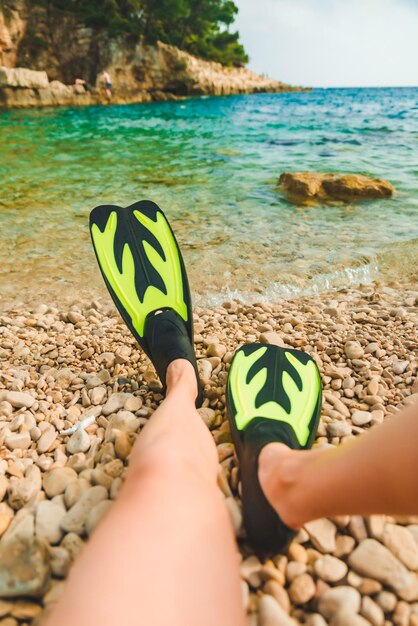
[[314, 185]]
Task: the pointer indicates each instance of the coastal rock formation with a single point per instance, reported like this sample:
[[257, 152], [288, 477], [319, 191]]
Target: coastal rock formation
[[345, 187], [63, 49]]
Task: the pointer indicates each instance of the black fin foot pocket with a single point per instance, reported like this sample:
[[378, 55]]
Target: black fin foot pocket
[[273, 395], [168, 340]]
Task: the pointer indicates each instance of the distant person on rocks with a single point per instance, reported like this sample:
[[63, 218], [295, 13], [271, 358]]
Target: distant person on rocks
[[107, 84], [83, 83]]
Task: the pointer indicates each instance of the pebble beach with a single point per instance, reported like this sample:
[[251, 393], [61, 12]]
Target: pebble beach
[[75, 392]]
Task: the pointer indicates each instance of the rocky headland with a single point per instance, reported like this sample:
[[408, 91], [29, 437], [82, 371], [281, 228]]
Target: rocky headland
[[42, 53], [75, 392]]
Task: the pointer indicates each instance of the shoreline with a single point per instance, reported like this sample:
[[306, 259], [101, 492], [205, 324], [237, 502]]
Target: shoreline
[[144, 74], [63, 364]]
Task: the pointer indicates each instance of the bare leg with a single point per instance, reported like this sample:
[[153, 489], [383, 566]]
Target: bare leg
[[165, 554], [377, 473]]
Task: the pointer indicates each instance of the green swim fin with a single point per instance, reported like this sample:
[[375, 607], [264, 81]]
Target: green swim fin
[[143, 269], [273, 394]]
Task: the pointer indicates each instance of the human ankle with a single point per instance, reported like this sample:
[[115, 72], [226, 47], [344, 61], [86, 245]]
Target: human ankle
[[180, 375], [281, 472]]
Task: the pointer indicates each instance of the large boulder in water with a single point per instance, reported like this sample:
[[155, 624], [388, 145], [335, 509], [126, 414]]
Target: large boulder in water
[[317, 186]]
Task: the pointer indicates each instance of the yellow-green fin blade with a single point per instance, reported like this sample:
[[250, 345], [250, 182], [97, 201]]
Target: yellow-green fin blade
[[141, 263]]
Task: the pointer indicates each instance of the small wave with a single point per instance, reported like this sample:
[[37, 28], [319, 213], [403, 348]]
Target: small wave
[[333, 281]]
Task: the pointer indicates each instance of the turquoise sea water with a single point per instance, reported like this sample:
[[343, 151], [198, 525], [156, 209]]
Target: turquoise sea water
[[212, 164]]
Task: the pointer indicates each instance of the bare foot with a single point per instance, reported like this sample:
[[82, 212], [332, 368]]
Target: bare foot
[[281, 471]]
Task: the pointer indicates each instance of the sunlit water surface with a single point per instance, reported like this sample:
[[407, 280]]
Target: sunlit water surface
[[212, 164]]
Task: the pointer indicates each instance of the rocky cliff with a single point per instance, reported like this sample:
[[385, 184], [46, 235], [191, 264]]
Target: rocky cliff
[[58, 49]]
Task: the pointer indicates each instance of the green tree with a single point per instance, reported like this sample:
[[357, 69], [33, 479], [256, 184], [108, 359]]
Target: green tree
[[198, 26]]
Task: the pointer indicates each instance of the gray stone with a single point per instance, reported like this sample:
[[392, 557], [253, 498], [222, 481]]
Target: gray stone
[[75, 519], [329, 568], [78, 442], [20, 399], [339, 428], [48, 516], [402, 544], [96, 515], [338, 598], [24, 569], [374, 560], [360, 418], [46, 440], [353, 350], [57, 480], [272, 614], [322, 534]]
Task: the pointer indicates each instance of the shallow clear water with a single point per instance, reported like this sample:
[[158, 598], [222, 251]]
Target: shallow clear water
[[212, 164]]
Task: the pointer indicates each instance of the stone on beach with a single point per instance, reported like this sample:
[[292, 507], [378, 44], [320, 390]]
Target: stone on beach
[[46, 484], [373, 559], [330, 569], [75, 519], [25, 570], [272, 614], [56, 481], [20, 399], [78, 442], [335, 599], [346, 187]]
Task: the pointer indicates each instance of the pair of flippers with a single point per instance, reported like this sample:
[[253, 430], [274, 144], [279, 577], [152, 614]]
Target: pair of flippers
[[273, 394]]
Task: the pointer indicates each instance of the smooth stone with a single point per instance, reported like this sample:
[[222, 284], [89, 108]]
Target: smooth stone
[[25, 569], [46, 440], [335, 599], [387, 601], [272, 614], [78, 442], [400, 367], [302, 589], [275, 589], [216, 349], [48, 516], [96, 514], [235, 514], [371, 611], [322, 534], [402, 544], [125, 421], [20, 399], [315, 619], [6, 516], [374, 560], [133, 404], [75, 519], [348, 618], [22, 490], [115, 402], [18, 441], [339, 428], [360, 418], [24, 610], [97, 395], [73, 544], [208, 416], [330, 569], [60, 561], [353, 350], [272, 338], [56, 481]]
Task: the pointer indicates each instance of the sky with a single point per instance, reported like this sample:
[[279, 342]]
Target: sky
[[332, 43]]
